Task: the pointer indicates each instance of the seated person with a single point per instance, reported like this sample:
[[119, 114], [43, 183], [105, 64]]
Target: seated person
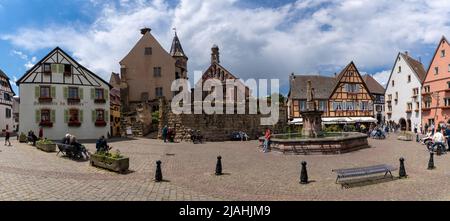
[[101, 145], [74, 142], [439, 140], [66, 139]]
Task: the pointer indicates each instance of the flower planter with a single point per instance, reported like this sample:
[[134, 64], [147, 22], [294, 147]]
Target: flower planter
[[118, 165], [74, 124], [100, 124], [50, 148], [46, 124], [100, 101], [23, 138]]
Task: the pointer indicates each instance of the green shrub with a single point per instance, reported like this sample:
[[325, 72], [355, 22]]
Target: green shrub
[[333, 128], [44, 142], [23, 137], [115, 155]]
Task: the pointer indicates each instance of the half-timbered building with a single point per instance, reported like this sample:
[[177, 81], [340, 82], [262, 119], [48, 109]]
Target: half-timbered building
[[344, 99], [61, 96], [6, 103]]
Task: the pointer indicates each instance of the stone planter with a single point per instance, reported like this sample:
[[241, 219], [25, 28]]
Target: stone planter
[[117, 165], [46, 147]]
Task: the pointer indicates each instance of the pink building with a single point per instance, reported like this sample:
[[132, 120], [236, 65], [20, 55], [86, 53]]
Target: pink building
[[436, 87]]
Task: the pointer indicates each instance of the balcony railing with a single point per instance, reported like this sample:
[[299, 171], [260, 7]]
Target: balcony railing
[[426, 108]]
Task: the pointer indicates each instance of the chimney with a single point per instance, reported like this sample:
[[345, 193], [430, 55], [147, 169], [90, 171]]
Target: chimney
[[406, 53], [145, 30]]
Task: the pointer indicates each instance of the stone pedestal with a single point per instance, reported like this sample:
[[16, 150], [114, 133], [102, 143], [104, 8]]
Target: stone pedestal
[[312, 123]]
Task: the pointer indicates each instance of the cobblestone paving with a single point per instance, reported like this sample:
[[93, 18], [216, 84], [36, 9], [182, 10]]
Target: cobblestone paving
[[29, 174]]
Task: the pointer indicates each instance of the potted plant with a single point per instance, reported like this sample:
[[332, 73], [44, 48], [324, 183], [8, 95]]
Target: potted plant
[[23, 138], [46, 145], [111, 161]]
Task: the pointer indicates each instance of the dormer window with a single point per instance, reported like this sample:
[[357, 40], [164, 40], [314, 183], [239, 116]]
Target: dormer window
[[67, 69], [47, 68]]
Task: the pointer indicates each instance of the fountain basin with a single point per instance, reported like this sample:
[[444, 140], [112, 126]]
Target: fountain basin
[[330, 143]]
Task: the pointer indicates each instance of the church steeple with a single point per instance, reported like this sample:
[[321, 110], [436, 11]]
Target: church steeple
[[176, 50]]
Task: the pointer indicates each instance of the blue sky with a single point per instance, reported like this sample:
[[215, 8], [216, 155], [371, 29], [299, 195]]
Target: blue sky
[[258, 39]]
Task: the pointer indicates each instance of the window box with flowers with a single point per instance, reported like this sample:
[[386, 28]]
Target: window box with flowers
[[73, 117], [99, 117], [45, 117]]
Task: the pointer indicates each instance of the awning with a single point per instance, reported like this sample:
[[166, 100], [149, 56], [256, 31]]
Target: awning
[[326, 120], [364, 119]]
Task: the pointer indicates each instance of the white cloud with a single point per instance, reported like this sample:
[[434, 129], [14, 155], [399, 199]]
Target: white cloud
[[302, 37], [382, 77]]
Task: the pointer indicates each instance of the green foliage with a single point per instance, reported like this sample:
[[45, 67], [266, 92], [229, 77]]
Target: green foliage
[[332, 128], [44, 142], [155, 117], [23, 137], [116, 155]]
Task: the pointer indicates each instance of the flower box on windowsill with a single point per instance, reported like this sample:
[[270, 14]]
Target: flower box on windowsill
[[100, 123], [99, 101], [73, 100], [46, 124], [74, 124], [45, 100]]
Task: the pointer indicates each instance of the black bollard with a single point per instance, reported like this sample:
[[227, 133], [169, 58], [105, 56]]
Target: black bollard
[[219, 166], [417, 138], [431, 161], [304, 174], [158, 174], [438, 150], [402, 171]]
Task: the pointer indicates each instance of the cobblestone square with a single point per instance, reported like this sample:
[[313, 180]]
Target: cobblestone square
[[30, 174]]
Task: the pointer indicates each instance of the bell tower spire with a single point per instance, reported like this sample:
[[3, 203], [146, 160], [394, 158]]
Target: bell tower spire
[[177, 52]]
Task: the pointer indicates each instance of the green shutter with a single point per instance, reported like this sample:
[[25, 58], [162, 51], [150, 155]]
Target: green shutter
[[66, 116], [106, 116], [106, 94], [61, 68], [55, 68], [94, 117], [81, 93], [53, 116], [81, 115], [53, 92], [38, 116], [93, 93], [66, 92], [37, 91]]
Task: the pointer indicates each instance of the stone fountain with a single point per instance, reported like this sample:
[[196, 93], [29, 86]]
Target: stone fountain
[[312, 118]]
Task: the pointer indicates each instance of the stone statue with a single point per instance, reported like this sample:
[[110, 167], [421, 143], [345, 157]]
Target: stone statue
[[310, 103]]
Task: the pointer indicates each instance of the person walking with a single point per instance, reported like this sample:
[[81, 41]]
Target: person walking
[[164, 133], [447, 134], [7, 136], [267, 137]]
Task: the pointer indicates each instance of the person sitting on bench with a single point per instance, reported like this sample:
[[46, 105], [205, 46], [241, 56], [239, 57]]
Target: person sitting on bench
[[101, 145], [74, 142], [66, 139]]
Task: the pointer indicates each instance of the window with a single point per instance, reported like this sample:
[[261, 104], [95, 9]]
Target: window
[[302, 105], [436, 70], [399, 69], [67, 69], [73, 93], [157, 71], [447, 102], [322, 105], [390, 97], [350, 105], [296, 108], [427, 104], [159, 91], [99, 94], [417, 105], [7, 97], [442, 53], [393, 83], [337, 106], [427, 89], [416, 91], [8, 113], [351, 88], [409, 78], [410, 106], [448, 85], [148, 51], [45, 92], [364, 105], [74, 116], [47, 68], [449, 68], [100, 115], [45, 116]]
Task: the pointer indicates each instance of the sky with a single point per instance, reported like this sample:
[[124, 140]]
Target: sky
[[258, 39]]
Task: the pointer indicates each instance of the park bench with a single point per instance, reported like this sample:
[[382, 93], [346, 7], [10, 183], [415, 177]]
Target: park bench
[[363, 171]]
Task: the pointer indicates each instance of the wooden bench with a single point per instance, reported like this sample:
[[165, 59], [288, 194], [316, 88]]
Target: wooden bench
[[364, 171]]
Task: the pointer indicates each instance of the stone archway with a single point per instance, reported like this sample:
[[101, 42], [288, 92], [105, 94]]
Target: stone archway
[[403, 124]]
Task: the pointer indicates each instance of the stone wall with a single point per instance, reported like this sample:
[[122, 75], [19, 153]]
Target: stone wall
[[217, 127]]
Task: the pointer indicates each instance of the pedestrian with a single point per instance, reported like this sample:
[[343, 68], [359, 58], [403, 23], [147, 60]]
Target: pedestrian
[[432, 129], [447, 134], [267, 137], [7, 136], [164, 133], [41, 133]]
